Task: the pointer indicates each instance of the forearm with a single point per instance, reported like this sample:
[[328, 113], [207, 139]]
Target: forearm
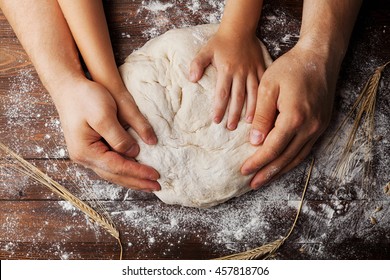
[[240, 18], [327, 25], [44, 34], [88, 25]]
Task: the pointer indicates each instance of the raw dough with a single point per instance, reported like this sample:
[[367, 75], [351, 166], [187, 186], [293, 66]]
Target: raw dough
[[198, 160]]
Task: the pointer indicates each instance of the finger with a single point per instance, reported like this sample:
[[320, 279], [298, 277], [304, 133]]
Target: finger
[[283, 164], [222, 94], [97, 154], [129, 182], [113, 167], [199, 64], [137, 121], [265, 113], [236, 102], [300, 157], [116, 136], [252, 85], [274, 145]]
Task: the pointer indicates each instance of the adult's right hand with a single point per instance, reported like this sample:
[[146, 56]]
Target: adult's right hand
[[96, 139]]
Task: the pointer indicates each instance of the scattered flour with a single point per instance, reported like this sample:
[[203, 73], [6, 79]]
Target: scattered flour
[[159, 16], [156, 6], [67, 206]]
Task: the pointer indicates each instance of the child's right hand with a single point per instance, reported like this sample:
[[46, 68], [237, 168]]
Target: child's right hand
[[240, 65], [96, 138]]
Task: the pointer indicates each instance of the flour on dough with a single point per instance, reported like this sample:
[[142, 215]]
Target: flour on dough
[[199, 161]]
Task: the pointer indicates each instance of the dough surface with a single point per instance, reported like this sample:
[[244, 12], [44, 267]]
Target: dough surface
[[198, 161]]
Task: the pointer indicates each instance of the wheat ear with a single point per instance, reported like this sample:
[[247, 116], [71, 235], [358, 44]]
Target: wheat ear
[[365, 107], [31, 171], [267, 250]]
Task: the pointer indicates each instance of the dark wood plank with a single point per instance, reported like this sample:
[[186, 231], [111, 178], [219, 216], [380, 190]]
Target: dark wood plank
[[158, 231]]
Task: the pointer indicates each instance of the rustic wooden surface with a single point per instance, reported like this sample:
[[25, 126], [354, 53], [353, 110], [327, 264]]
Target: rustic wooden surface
[[337, 221]]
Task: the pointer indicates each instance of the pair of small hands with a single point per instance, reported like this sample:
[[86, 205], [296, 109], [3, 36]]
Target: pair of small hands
[[289, 106]]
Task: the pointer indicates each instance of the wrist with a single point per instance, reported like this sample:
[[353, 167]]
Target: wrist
[[65, 87], [327, 49], [236, 32], [240, 18]]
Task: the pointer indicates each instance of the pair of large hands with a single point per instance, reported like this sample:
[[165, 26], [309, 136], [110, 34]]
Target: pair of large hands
[[289, 106]]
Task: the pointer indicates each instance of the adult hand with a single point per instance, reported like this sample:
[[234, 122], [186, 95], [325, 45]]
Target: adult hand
[[240, 65], [96, 138], [294, 106]]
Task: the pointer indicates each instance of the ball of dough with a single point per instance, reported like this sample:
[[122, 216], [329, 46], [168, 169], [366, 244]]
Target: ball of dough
[[199, 161]]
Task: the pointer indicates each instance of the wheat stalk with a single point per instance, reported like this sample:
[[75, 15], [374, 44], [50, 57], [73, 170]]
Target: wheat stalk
[[30, 170], [267, 250], [365, 107]]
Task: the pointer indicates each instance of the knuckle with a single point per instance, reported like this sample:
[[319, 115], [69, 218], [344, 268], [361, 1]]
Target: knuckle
[[240, 97], [316, 127], [272, 153], [252, 89], [240, 71], [261, 120], [100, 122], [117, 169], [227, 68], [265, 88], [297, 121], [121, 145], [223, 94]]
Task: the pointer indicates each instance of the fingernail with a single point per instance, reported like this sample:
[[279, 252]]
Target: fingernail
[[133, 150], [156, 188], [154, 176], [246, 171], [257, 186], [249, 119], [192, 76], [231, 126], [152, 140], [217, 120], [256, 137]]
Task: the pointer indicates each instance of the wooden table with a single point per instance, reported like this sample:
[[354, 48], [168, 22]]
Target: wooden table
[[338, 220]]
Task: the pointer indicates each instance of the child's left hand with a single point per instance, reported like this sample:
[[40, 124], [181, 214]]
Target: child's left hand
[[240, 65]]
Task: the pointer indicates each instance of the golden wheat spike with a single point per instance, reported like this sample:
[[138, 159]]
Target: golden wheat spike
[[365, 106], [30, 170]]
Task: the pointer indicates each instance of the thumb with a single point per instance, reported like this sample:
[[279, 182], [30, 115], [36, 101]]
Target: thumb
[[199, 64], [117, 137], [265, 113]]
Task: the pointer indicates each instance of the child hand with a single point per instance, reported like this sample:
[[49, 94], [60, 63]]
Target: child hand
[[294, 106], [96, 139], [240, 65]]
